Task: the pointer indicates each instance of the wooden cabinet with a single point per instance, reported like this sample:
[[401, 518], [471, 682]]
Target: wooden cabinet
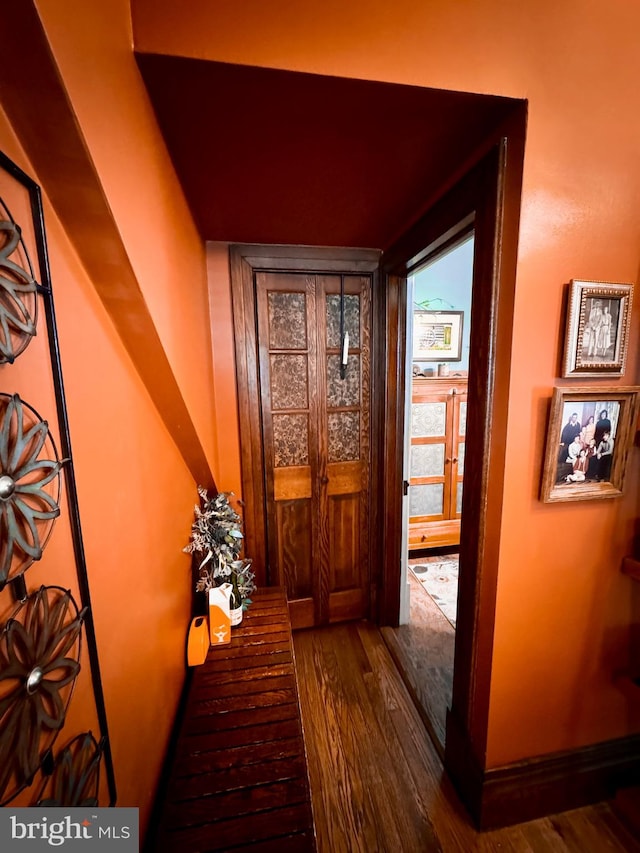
[[436, 461]]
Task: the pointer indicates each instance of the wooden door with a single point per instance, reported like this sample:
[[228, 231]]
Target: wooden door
[[316, 440], [438, 426], [458, 445]]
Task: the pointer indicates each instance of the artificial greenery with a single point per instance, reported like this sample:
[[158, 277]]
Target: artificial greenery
[[216, 539]]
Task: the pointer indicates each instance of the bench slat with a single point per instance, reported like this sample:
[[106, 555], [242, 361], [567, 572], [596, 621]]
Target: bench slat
[[239, 776]]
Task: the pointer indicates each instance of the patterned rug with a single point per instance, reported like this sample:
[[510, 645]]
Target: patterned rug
[[440, 580]]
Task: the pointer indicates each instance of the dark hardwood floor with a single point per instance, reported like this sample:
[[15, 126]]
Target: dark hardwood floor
[[423, 650], [377, 781]]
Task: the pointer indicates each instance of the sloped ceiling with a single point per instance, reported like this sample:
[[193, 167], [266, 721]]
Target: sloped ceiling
[[271, 156]]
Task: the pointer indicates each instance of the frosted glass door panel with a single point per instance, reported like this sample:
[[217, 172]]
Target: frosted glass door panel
[[289, 381], [344, 436], [343, 392], [459, 498], [287, 320], [290, 440], [427, 460], [461, 458], [426, 500], [428, 419], [351, 320], [462, 429]]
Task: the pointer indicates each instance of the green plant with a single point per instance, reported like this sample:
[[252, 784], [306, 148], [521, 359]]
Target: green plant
[[216, 539], [429, 304]]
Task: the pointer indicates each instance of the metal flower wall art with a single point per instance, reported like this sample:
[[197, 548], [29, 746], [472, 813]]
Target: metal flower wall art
[[18, 294], [29, 486], [76, 775], [39, 664]]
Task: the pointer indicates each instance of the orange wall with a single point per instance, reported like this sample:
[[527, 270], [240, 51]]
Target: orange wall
[[136, 493], [91, 43], [224, 370], [563, 610], [135, 497]]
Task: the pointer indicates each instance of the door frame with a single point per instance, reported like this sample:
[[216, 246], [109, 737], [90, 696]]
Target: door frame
[[488, 197], [246, 261]]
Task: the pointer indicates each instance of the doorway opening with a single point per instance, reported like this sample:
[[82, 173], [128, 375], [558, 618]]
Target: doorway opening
[[486, 200], [437, 365]]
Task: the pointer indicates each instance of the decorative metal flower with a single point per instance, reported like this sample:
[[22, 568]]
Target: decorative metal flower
[[29, 486], [76, 775], [39, 663], [18, 295]]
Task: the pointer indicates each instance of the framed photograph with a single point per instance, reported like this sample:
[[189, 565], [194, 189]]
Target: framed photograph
[[437, 335], [588, 439], [598, 318]]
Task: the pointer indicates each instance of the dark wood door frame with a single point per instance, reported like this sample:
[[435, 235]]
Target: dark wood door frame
[[246, 261], [489, 197]]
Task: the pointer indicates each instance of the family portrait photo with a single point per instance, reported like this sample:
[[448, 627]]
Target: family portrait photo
[[598, 318], [587, 442], [600, 332]]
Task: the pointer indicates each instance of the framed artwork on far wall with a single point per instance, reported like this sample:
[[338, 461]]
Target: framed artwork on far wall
[[437, 335], [589, 436], [598, 318]]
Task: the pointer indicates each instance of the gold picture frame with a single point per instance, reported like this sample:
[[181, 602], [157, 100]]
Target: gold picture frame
[[437, 335], [590, 433], [598, 320]]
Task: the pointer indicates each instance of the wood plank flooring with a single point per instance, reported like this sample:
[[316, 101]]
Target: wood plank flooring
[[424, 649], [377, 781]]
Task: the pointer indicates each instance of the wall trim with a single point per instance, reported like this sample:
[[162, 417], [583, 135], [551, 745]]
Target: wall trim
[[541, 786]]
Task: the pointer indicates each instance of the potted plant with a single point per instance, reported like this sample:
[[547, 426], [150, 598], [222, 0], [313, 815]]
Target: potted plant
[[216, 540]]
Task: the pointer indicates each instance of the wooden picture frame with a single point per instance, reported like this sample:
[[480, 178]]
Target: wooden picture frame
[[581, 462], [598, 319], [437, 335]]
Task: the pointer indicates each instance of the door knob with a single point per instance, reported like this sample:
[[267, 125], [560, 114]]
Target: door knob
[[324, 480], [455, 459]]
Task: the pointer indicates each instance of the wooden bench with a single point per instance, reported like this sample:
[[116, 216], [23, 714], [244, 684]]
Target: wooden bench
[[238, 779]]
